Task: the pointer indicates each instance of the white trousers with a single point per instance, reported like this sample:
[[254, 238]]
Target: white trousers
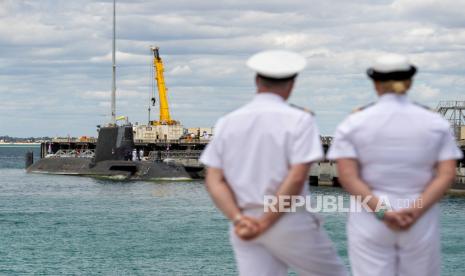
[[296, 241], [376, 250]]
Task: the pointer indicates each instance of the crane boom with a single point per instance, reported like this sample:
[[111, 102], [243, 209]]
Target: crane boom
[[165, 118]]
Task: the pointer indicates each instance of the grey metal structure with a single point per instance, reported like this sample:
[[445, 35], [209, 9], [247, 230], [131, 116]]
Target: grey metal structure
[[454, 112]]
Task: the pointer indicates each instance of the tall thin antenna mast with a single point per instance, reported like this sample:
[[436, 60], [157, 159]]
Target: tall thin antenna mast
[[113, 84], [151, 88]]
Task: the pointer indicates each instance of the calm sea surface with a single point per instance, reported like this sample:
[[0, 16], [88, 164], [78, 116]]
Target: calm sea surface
[[54, 225]]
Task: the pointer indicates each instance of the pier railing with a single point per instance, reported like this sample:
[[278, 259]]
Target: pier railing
[[450, 104], [72, 153], [174, 154], [74, 140], [167, 141]]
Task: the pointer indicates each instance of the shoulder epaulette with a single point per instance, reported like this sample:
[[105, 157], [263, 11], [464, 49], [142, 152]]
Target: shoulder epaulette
[[303, 109], [362, 107], [424, 106]]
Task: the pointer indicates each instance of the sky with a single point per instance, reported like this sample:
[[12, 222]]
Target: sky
[[55, 57]]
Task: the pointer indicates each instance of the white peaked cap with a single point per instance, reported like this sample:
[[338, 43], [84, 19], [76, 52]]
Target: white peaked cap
[[277, 64], [391, 67], [391, 63]]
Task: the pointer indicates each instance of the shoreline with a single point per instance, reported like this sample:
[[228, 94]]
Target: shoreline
[[19, 144]]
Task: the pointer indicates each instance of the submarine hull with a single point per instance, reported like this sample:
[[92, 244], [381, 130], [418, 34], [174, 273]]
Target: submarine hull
[[118, 169]]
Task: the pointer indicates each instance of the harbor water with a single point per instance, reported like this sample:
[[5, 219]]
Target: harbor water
[[55, 225]]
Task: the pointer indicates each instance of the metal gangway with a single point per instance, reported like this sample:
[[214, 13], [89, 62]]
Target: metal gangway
[[454, 112]]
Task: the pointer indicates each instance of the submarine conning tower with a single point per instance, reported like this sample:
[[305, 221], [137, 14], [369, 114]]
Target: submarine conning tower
[[114, 143]]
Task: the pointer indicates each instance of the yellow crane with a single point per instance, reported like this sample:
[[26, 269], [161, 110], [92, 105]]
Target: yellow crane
[[165, 117]]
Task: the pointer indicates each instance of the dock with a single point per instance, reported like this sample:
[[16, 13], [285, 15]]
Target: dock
[[188, 151]]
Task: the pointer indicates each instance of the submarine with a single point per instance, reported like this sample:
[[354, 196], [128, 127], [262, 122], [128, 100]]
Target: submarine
[[113, 159]]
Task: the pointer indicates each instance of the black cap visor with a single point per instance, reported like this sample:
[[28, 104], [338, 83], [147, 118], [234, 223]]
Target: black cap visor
[[278, 79], [395, 75]]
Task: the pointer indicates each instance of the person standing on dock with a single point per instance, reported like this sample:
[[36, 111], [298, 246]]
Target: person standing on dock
[[134, 154], [400, 158], [265, 148]]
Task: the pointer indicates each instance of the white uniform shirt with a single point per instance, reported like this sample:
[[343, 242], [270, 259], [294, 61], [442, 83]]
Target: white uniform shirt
[[397, 144], [256, 144]]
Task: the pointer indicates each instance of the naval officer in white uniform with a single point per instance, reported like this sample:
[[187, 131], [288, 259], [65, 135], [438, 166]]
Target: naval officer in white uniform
[[401, 157], [266, 148]]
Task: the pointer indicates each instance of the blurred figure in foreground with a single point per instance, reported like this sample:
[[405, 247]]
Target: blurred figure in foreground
[[264, 149], [400, 157]]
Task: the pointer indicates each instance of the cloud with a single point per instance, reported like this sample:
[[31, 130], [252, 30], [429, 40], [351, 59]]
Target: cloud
[[181, 70], [55, 56], [425, 92], [94, 95], [443, 12]]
